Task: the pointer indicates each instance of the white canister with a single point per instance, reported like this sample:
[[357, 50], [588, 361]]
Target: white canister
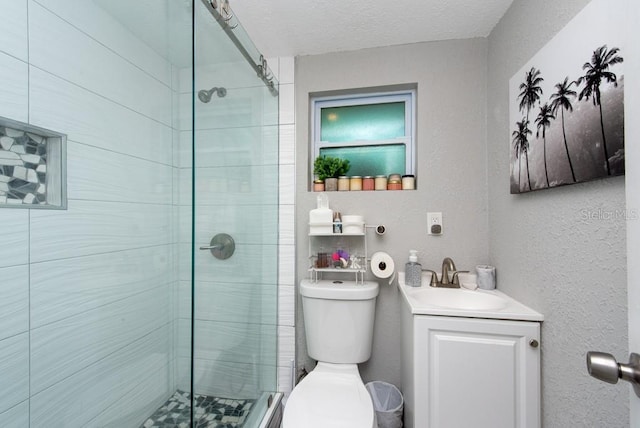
[[352, 224], [486, 277]]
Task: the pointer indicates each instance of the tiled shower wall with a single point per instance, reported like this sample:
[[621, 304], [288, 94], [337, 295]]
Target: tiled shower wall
[[85, 314], [89, 305]]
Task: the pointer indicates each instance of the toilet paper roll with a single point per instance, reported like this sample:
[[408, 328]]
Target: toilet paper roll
[[486, 277], [382, 266]]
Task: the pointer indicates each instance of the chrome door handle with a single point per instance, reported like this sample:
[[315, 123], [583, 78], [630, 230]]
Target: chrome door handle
[[604, 366]]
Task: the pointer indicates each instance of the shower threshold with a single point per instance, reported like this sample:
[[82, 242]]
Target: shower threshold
[[209, 412]]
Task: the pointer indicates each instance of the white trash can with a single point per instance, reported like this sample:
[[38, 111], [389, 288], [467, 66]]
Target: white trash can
[[387, 402]]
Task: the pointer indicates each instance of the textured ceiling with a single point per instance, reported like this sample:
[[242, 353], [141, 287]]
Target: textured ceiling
[[302, 27]]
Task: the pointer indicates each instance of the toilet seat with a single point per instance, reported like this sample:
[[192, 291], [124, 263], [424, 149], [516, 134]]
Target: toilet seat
[[332, 395]]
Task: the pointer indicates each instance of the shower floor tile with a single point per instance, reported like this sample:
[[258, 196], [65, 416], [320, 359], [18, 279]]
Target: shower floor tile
[[210, 412]]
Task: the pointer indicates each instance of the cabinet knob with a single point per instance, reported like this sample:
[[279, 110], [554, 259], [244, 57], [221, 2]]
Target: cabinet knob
[[533, 343]]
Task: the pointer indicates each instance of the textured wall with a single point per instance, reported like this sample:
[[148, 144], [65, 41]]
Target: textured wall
[[548, 254], [451, 169]]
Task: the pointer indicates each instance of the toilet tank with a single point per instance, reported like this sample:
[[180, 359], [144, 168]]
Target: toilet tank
[[338, 319]]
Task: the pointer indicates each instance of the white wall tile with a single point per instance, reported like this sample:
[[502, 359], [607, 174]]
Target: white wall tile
[[249, 264], [229, 147], [68, 287], [287, 144], [286, 345], [233, 380], [233, 186], [241, 107], [14, 229], [92, 119], [286, 305], [286, 224], [13, 37], [14, 304], [235, 302], [59, 48], [229, 74], [284, 379], [89, 391], [138, 403], [14, 84], [250, 224], [287, 184], [14, 370], [100, 25], [287, 70], [287, 104], [103, 175], [60, 349], [90, 227], [235, 342], [17, 416], [286, 264]]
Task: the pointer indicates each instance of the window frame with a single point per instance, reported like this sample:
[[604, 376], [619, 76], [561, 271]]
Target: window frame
[[408, 96]]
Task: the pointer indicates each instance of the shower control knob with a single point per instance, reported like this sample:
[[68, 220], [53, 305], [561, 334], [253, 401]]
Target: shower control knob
[[604, 367]]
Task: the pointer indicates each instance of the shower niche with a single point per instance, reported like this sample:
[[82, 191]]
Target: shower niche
[[32, 166]]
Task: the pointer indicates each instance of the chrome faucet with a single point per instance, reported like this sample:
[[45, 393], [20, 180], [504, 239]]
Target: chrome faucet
[[448, 266]]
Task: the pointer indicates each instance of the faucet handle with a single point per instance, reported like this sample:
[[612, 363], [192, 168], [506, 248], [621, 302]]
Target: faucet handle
[[434, 277], [455, 280]]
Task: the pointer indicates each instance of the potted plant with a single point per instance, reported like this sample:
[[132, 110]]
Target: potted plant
[[328, 168]]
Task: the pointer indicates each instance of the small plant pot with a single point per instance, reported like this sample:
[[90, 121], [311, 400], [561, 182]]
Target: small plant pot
[[330, 184]]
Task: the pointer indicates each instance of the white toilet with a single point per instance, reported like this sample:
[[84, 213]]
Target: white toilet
[[338, 318]]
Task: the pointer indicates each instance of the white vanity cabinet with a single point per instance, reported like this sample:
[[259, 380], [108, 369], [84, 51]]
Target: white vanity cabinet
[[461, 372]]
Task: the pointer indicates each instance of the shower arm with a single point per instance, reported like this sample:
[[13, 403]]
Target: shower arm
[[261, 69]]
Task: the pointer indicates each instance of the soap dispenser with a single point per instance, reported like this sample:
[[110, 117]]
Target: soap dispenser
[[413, 270]]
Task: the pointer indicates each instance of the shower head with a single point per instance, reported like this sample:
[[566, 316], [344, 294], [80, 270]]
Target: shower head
[[205, 95]]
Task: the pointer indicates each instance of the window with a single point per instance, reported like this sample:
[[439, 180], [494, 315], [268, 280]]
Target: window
[[375, 132]]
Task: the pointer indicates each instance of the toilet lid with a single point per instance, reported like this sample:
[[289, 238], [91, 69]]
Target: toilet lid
[[329, 399]]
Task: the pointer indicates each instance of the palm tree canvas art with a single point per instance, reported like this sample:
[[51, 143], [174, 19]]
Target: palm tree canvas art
[[567, 105]]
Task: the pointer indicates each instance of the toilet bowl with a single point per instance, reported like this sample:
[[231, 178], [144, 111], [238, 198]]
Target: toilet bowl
[[332, 395], [338, 318]]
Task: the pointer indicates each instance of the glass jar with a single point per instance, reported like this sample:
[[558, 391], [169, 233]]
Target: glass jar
[[355, 182], [343, 183], [395, 177], [318, 185], [380, 182], [394, 185], [368, 183], [408, 182]]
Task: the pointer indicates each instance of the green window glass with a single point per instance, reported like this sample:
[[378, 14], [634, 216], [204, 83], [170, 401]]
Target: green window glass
[[362, 122], [371, 160], [375, 132]]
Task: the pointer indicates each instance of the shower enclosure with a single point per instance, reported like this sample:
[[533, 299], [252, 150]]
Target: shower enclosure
[[152, 299]]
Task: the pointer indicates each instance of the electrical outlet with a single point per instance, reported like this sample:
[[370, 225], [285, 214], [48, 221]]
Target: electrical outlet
[[434, 223]]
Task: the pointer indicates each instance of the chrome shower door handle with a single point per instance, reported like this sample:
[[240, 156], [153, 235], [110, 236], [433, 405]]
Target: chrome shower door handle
[[222, 246], [604, 367]]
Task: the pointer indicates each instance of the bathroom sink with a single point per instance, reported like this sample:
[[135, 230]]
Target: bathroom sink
[[462, 302], [459, 298]]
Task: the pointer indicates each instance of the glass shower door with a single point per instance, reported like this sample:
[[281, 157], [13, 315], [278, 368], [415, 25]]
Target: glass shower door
[[235, 197]]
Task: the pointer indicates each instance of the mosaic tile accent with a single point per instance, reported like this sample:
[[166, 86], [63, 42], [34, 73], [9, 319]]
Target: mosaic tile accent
[[210, 412], [26, 173]]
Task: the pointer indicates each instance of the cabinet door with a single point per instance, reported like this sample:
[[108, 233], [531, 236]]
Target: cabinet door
[[476, 373]]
